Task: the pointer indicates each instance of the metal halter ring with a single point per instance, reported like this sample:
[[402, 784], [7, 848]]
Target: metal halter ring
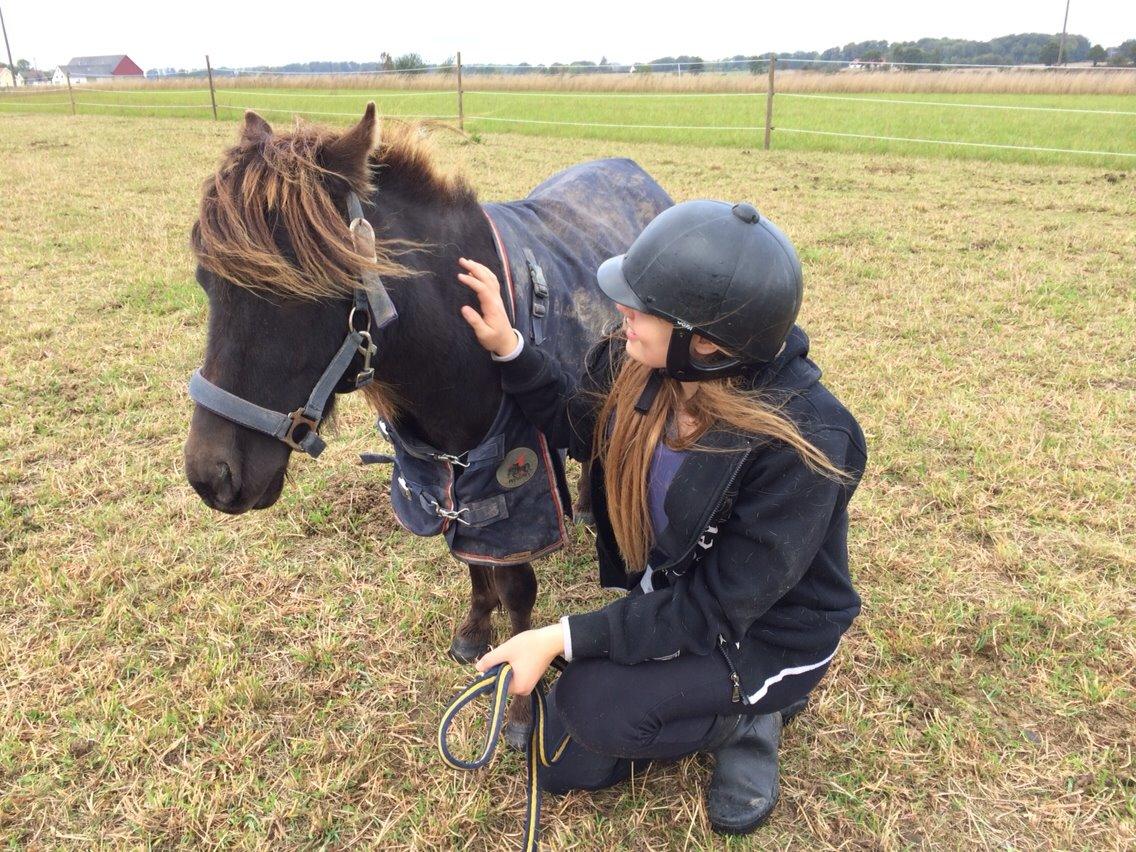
[[355, 309], [299, 419]]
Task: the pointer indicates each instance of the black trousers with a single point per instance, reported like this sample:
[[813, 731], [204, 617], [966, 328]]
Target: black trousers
[[621, 717]]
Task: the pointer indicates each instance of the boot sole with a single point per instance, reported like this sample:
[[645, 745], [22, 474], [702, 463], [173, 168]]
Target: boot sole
[[749, 827]]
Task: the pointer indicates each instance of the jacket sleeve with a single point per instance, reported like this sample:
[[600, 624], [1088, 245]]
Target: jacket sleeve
[[778, 524], [551, 398]]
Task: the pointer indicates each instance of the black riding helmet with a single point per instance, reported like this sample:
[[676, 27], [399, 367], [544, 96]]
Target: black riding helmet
[[723, 271]]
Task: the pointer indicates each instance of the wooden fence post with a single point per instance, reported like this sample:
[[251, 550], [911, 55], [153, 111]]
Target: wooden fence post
[[769, 100], [461, 106], [212, 95], [70, 93]]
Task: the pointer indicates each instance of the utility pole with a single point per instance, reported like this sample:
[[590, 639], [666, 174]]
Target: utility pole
[[11, 64], [1064, 26]]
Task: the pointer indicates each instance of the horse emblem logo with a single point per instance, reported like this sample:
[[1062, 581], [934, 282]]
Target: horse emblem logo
[[518, 467]]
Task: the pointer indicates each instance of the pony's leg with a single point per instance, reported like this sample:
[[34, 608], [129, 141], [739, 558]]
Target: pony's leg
[[582, 510], [474, 634], [516, 587]]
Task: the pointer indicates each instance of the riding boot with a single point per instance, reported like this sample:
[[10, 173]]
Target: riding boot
[[793, 710], [743, 789]]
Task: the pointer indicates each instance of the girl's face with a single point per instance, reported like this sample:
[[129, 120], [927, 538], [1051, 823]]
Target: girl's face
[[649, 337]]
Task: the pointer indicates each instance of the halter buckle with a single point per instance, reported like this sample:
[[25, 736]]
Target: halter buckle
[[299, 419]]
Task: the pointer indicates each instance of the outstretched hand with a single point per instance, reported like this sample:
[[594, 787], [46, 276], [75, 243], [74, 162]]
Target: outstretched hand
[[529, 653], [492, 327]]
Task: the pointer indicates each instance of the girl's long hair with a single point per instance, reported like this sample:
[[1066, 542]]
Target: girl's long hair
[[625, 440]]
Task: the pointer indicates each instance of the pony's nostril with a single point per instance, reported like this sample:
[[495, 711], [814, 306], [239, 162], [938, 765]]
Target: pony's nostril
[[223, 488]]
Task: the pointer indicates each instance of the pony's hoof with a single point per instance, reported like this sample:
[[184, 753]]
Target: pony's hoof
[[584, 519], [466, 651], [516, 735]]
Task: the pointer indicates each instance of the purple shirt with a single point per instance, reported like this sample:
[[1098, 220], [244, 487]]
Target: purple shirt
[[664, 464]]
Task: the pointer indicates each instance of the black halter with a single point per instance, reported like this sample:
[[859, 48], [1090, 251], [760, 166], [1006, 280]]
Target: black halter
[[371, 308]]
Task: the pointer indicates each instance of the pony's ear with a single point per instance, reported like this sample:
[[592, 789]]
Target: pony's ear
[[347, 154], [255, 128]]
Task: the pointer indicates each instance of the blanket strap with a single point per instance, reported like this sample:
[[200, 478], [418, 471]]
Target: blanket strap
[[539, 296]]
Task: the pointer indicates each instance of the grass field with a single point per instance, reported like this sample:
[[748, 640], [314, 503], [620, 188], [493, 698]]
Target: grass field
[[172, 677], [1090, 122]]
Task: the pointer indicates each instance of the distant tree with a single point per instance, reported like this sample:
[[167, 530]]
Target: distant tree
[[1097, 54], [908, 54], [1048, 55], [872, 55], [386, 61], [409, 62]]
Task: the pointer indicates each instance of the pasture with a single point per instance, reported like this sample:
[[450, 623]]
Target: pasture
[[986, 125], [174, 677]]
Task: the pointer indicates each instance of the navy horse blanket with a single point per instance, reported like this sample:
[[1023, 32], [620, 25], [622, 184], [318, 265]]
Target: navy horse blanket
[[504, 501]]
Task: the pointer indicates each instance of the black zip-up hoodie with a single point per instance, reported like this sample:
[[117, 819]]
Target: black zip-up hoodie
[[754, 559]]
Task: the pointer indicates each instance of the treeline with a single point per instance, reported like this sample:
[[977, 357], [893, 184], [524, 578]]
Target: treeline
[[1020, 49]]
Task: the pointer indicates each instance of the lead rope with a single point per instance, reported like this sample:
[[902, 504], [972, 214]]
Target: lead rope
[[496, 681]]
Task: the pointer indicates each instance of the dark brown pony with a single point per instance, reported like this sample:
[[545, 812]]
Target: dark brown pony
[[277, 263]]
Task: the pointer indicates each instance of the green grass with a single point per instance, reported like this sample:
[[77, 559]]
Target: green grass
[[174, 677], [701, 119]]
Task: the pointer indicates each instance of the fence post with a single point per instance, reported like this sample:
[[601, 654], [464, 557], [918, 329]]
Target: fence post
[[212, 95], [769, 100], [70, 93], [461, 106]]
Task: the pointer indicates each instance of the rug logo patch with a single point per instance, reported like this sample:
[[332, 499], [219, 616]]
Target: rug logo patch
[[518, 467]]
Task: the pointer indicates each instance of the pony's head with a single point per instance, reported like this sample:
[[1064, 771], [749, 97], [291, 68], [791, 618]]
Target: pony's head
[[276, 259]]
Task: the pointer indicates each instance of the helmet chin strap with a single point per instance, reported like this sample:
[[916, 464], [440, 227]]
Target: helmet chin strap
[[681, 367]]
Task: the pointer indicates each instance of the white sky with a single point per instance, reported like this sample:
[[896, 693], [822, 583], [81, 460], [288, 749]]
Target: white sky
[[159, 34]]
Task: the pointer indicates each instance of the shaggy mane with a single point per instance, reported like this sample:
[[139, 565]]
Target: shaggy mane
[[268, 221]]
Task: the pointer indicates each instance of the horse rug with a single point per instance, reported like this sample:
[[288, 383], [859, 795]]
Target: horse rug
[[504, 502]]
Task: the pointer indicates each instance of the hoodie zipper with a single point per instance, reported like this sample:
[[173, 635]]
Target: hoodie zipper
[[735, 679], [721, 502]]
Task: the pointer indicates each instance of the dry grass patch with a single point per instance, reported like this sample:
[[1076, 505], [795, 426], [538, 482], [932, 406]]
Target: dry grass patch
[[172, 677]]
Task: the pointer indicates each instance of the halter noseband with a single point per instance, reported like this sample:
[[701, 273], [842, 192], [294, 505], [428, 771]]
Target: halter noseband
[[371, 306]]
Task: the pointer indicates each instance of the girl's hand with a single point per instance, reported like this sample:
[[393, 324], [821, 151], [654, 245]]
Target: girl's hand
[[492, 327], [530, 654]]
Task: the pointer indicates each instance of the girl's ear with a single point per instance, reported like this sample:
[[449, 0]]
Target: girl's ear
[[702, 347]]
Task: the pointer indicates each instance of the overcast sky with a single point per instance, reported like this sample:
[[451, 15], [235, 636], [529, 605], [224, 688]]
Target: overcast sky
[[177, 34]]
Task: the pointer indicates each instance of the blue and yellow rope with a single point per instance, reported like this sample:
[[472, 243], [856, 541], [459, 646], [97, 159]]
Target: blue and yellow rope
[[496, 682]]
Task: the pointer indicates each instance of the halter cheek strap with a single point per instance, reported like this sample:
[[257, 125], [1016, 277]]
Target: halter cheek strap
[[299, 429], [371, 306]]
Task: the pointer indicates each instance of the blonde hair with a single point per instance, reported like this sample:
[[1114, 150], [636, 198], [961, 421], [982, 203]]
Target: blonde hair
[[627, 447]]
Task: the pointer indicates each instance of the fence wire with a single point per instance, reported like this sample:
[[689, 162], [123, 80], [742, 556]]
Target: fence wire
[[225, 95]]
